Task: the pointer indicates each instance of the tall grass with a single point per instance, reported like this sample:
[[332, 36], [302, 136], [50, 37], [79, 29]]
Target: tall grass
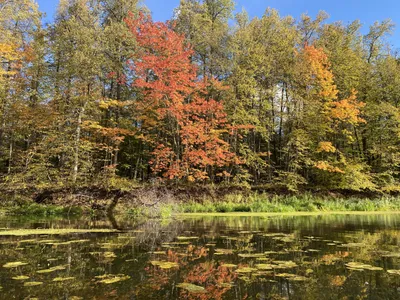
[[286, 204]]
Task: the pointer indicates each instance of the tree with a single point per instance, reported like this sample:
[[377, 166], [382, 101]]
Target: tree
[[175, 113], [205, 26]]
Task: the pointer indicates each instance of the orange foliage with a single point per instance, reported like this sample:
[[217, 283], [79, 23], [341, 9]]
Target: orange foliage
[[176, 113], [320, 68], [348, 110]]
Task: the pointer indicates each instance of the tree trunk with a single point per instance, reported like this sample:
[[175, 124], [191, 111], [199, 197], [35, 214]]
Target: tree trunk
[[77, 144]]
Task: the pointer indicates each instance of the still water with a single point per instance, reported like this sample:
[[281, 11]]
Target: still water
[[307, 257]]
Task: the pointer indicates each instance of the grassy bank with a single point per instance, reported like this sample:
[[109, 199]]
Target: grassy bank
[[248, 203], [256, 203], [264, 203]]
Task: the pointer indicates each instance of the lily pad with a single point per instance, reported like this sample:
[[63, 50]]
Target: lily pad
[[187, 238], [394, 272], [158, 253], [229, 266], [270, 252], [264, 267], [223, 251], [245, 270], [292, 277], [165, 264], [52, 259], [109, 279], [251, 255], [15, 264], [313, 250], [51, 270], [284, 264], [62, 279], [192, 288], [68, 243], [356, 266], [22, 277]]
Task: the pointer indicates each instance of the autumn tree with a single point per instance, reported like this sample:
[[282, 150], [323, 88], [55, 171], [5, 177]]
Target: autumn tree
[[175, 114]]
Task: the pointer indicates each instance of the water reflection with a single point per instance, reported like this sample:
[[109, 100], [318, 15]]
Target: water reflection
[[318, 257]]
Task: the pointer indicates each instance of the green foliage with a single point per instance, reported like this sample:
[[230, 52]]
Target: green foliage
[[300, 105]]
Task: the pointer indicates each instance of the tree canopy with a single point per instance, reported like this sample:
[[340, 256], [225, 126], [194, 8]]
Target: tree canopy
[[106, 93]]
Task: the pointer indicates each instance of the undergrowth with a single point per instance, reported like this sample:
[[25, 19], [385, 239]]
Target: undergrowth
[[286, 204]]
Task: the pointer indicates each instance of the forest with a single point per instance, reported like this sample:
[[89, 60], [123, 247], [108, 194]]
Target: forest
[[105, 94]]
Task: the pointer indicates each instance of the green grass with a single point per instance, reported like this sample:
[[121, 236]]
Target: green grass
[[263, 203], [232, 203]]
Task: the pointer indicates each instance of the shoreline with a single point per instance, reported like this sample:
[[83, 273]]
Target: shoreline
[[166, 202], [287, 214]]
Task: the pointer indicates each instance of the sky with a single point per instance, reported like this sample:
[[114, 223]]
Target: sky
[[367, 11]]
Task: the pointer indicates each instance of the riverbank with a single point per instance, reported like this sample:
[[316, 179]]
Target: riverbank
[[165, 202]]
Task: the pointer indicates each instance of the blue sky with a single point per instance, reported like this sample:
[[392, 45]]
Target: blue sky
[[367, 11]]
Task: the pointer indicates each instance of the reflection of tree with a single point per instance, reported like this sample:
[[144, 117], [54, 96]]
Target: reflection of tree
[[192, 244], [217, 280], [194, 269]]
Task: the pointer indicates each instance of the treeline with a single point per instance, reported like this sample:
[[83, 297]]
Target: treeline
[[104, 93]]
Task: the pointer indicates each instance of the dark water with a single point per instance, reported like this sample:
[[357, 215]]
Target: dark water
[[317, 257]]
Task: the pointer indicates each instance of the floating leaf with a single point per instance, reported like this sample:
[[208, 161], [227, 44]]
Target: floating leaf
[[22, 277], [264, 267], [192, 288], [292, 277], [109, 278], [52, 269], [229, 266], [245, 270], [394, 272], [361, 266], [62, 279], [68, 243], [254, 255], [14, 264], [52, 259], [165, 264], [284, 264], [223, 251], [183, 238]]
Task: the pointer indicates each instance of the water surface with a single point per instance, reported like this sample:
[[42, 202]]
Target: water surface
[[303, 257]]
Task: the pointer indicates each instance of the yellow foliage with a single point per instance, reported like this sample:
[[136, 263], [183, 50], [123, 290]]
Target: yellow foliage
[[8, 53], [326, 147], [325, 166]]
